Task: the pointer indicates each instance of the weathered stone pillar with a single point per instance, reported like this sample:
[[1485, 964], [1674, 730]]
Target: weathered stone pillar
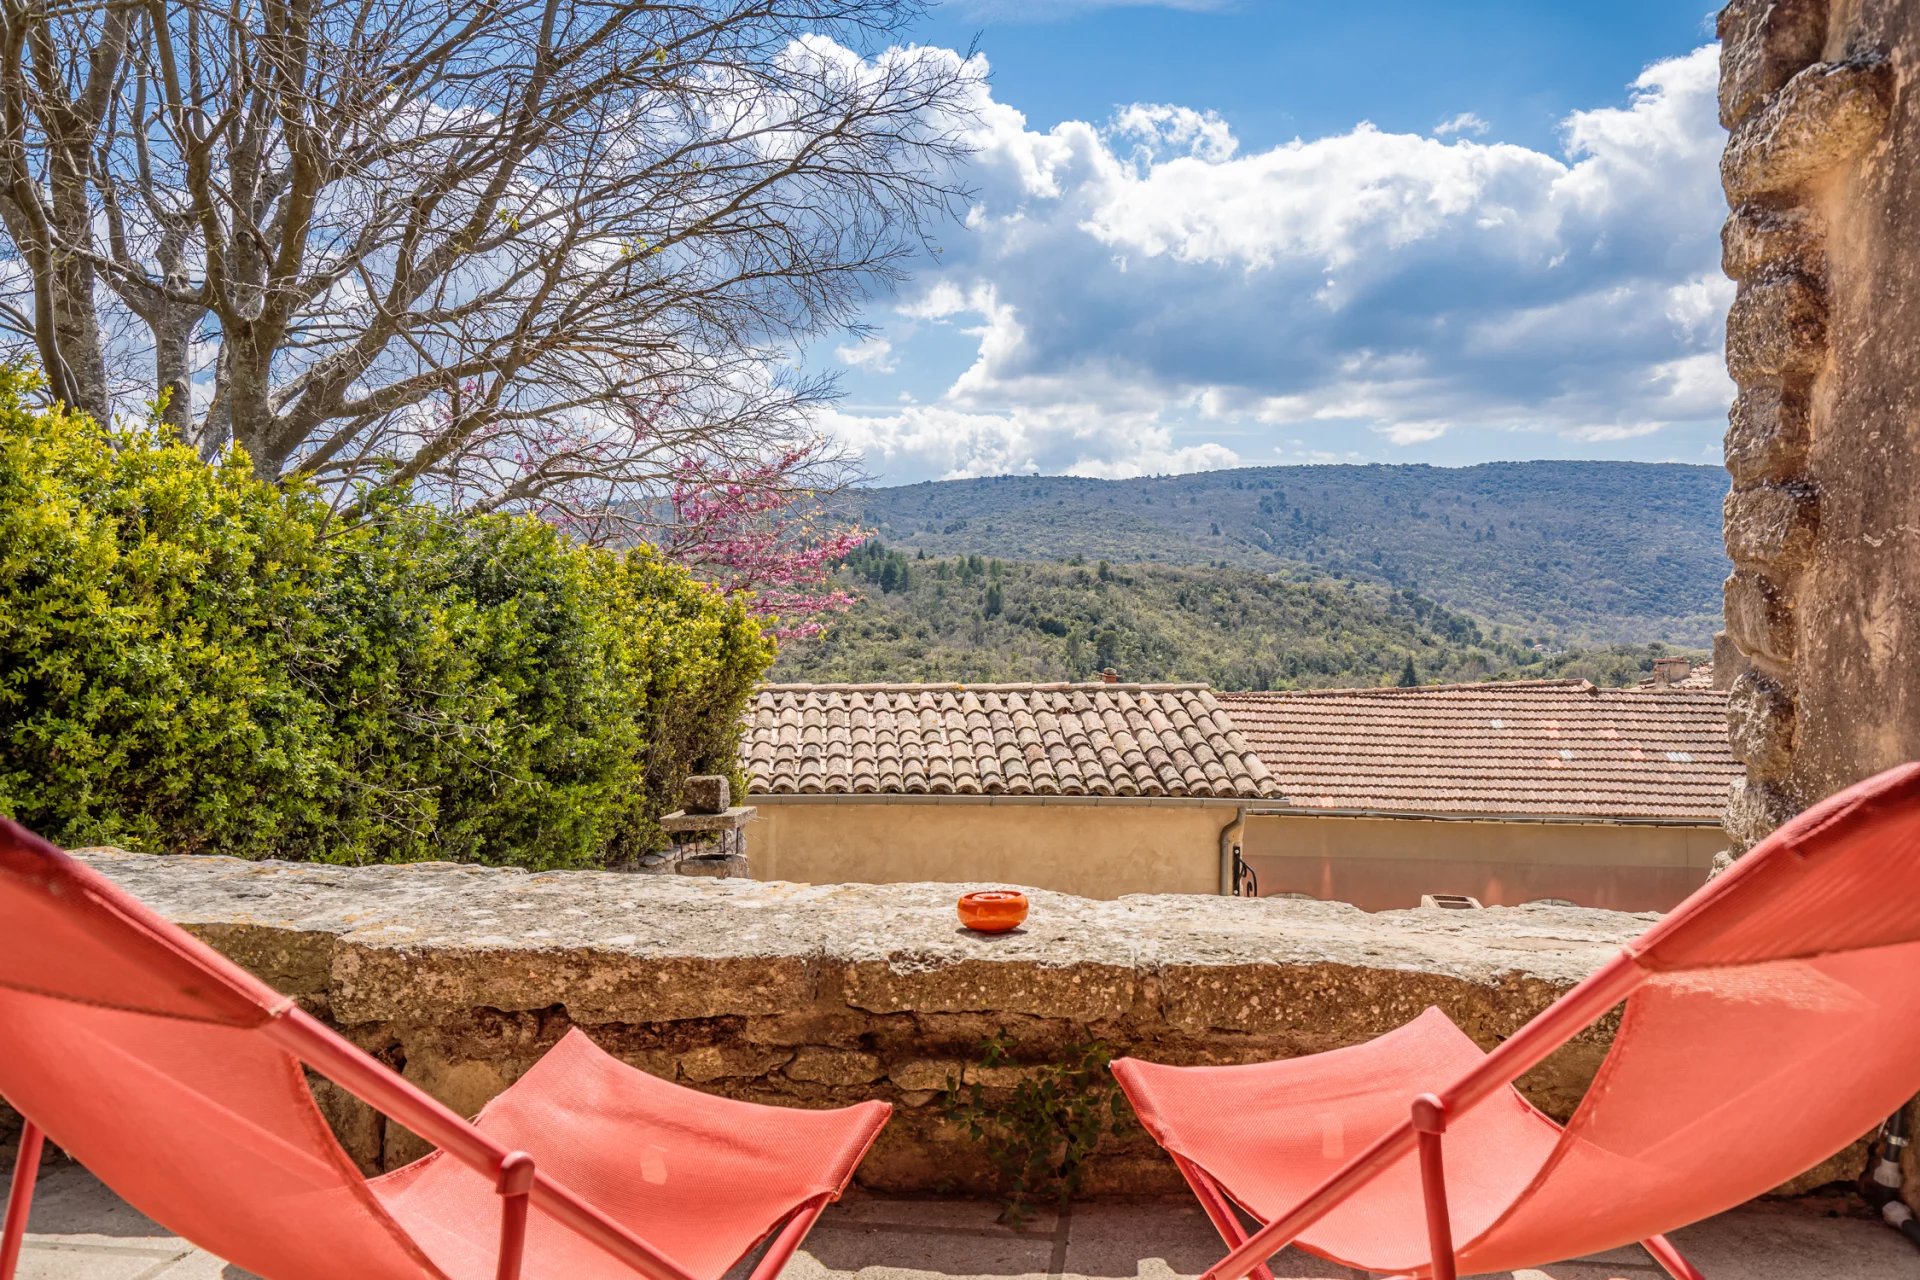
[[1822, 174], [709, 833]]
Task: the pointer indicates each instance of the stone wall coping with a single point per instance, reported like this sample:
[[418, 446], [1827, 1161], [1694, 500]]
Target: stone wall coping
[[424, 939], [437, 904]]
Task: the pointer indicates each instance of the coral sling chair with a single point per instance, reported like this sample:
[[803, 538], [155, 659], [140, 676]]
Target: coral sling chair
[[1770, 1020], [175, 1076]]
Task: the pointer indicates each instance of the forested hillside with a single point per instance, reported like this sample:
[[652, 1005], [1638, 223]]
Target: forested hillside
[[1567, 552], [977, 618]]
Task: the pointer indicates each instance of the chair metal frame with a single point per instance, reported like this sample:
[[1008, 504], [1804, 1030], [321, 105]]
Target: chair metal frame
[[520, 1185]]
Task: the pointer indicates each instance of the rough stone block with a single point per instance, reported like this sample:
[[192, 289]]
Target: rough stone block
[[1824, 116], [706, 793], [1728, 661], [1771, 526], [834, 1066], [1760, 238], [379, 983], [295, 963], [1844, 1166], [812, 1027], [683, 823], [1760, 724], [1759, 616], [1083, 992], [1768, 432], [717, 866], [1763, 43], [704, 1064], [926, 1074], [464, 1086], [360, 1129], [1006, 1077], [1777, 328], [1754, 809]]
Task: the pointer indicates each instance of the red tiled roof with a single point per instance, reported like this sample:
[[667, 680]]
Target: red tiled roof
[[1015, 740], [1536, 749]]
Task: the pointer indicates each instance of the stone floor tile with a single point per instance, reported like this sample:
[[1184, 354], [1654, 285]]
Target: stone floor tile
[[899, 1252], [57, 1260], [958, 1215], [1168, 1240], [70, 1203], [1790, 1243]]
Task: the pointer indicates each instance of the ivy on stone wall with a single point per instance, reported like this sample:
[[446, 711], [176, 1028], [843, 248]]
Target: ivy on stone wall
[[1038, 1133]]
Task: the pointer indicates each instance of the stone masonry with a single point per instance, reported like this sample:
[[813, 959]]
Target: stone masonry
[[460, 977], [707, 835], [1823, 441]]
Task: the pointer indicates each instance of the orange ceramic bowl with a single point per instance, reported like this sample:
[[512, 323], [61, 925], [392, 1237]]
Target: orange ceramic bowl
[[993, 910]]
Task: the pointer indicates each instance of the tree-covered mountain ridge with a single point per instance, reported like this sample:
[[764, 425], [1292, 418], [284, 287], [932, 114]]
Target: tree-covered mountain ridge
[[1560, 552], [980, 619]]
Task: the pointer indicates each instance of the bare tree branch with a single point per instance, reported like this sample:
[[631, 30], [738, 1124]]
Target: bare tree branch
[[512, 253]]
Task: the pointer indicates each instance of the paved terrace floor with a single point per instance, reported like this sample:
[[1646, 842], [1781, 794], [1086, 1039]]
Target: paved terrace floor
[[81, 1230]]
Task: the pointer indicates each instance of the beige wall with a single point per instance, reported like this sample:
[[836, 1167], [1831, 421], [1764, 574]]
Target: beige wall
[[1093, 850], [1380, 864]]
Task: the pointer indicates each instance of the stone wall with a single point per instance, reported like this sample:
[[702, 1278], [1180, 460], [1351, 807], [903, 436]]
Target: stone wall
[[1822, 174], [461, 977]]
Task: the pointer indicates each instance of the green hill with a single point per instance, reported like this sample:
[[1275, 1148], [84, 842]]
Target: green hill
[[1566, 552], [978, 619]]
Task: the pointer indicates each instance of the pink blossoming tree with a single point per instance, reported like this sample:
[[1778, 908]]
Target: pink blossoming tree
[[754, 522], [752, 529]]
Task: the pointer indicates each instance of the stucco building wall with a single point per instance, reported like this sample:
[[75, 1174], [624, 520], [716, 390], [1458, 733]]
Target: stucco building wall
[[1101, 849], [1107, 848], [1379, 864], [1822, 173]]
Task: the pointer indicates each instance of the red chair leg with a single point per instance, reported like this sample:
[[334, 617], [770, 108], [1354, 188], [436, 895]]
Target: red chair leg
[[774, 1261], [1659, 1246], [1429, 1123], [514, 1182], [26, 1170], [1219, 1209]]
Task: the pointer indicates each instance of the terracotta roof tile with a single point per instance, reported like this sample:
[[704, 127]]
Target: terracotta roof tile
[[1028, 739], [1542, 748]]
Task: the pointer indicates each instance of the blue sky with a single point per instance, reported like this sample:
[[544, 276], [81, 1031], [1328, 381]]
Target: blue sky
[[1215, 234]]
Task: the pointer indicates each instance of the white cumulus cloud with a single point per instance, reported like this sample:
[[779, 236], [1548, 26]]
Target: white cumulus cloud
[[1465, 122], [1148, 293], [872, 353]]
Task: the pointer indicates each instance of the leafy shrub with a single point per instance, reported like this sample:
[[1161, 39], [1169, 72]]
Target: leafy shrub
[[1038, 1135], [194, 660]]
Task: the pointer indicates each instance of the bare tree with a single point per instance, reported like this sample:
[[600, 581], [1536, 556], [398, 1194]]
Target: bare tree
[[509, 251]]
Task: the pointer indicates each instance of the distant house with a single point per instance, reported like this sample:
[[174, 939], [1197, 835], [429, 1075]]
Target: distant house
[[1506, 792], [1094, 789]]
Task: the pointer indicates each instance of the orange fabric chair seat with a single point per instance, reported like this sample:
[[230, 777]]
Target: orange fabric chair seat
[[703, 1178], [1271, 1132], [179, 1079], [1768, 1021]]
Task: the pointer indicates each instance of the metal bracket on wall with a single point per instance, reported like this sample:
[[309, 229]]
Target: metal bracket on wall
[[1246, 883]]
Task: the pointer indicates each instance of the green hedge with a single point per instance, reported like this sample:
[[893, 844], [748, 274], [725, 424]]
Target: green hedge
[[195, 661]]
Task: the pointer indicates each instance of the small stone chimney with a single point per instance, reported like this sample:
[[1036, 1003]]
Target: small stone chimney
[[1668, 672], [1110, 676]]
